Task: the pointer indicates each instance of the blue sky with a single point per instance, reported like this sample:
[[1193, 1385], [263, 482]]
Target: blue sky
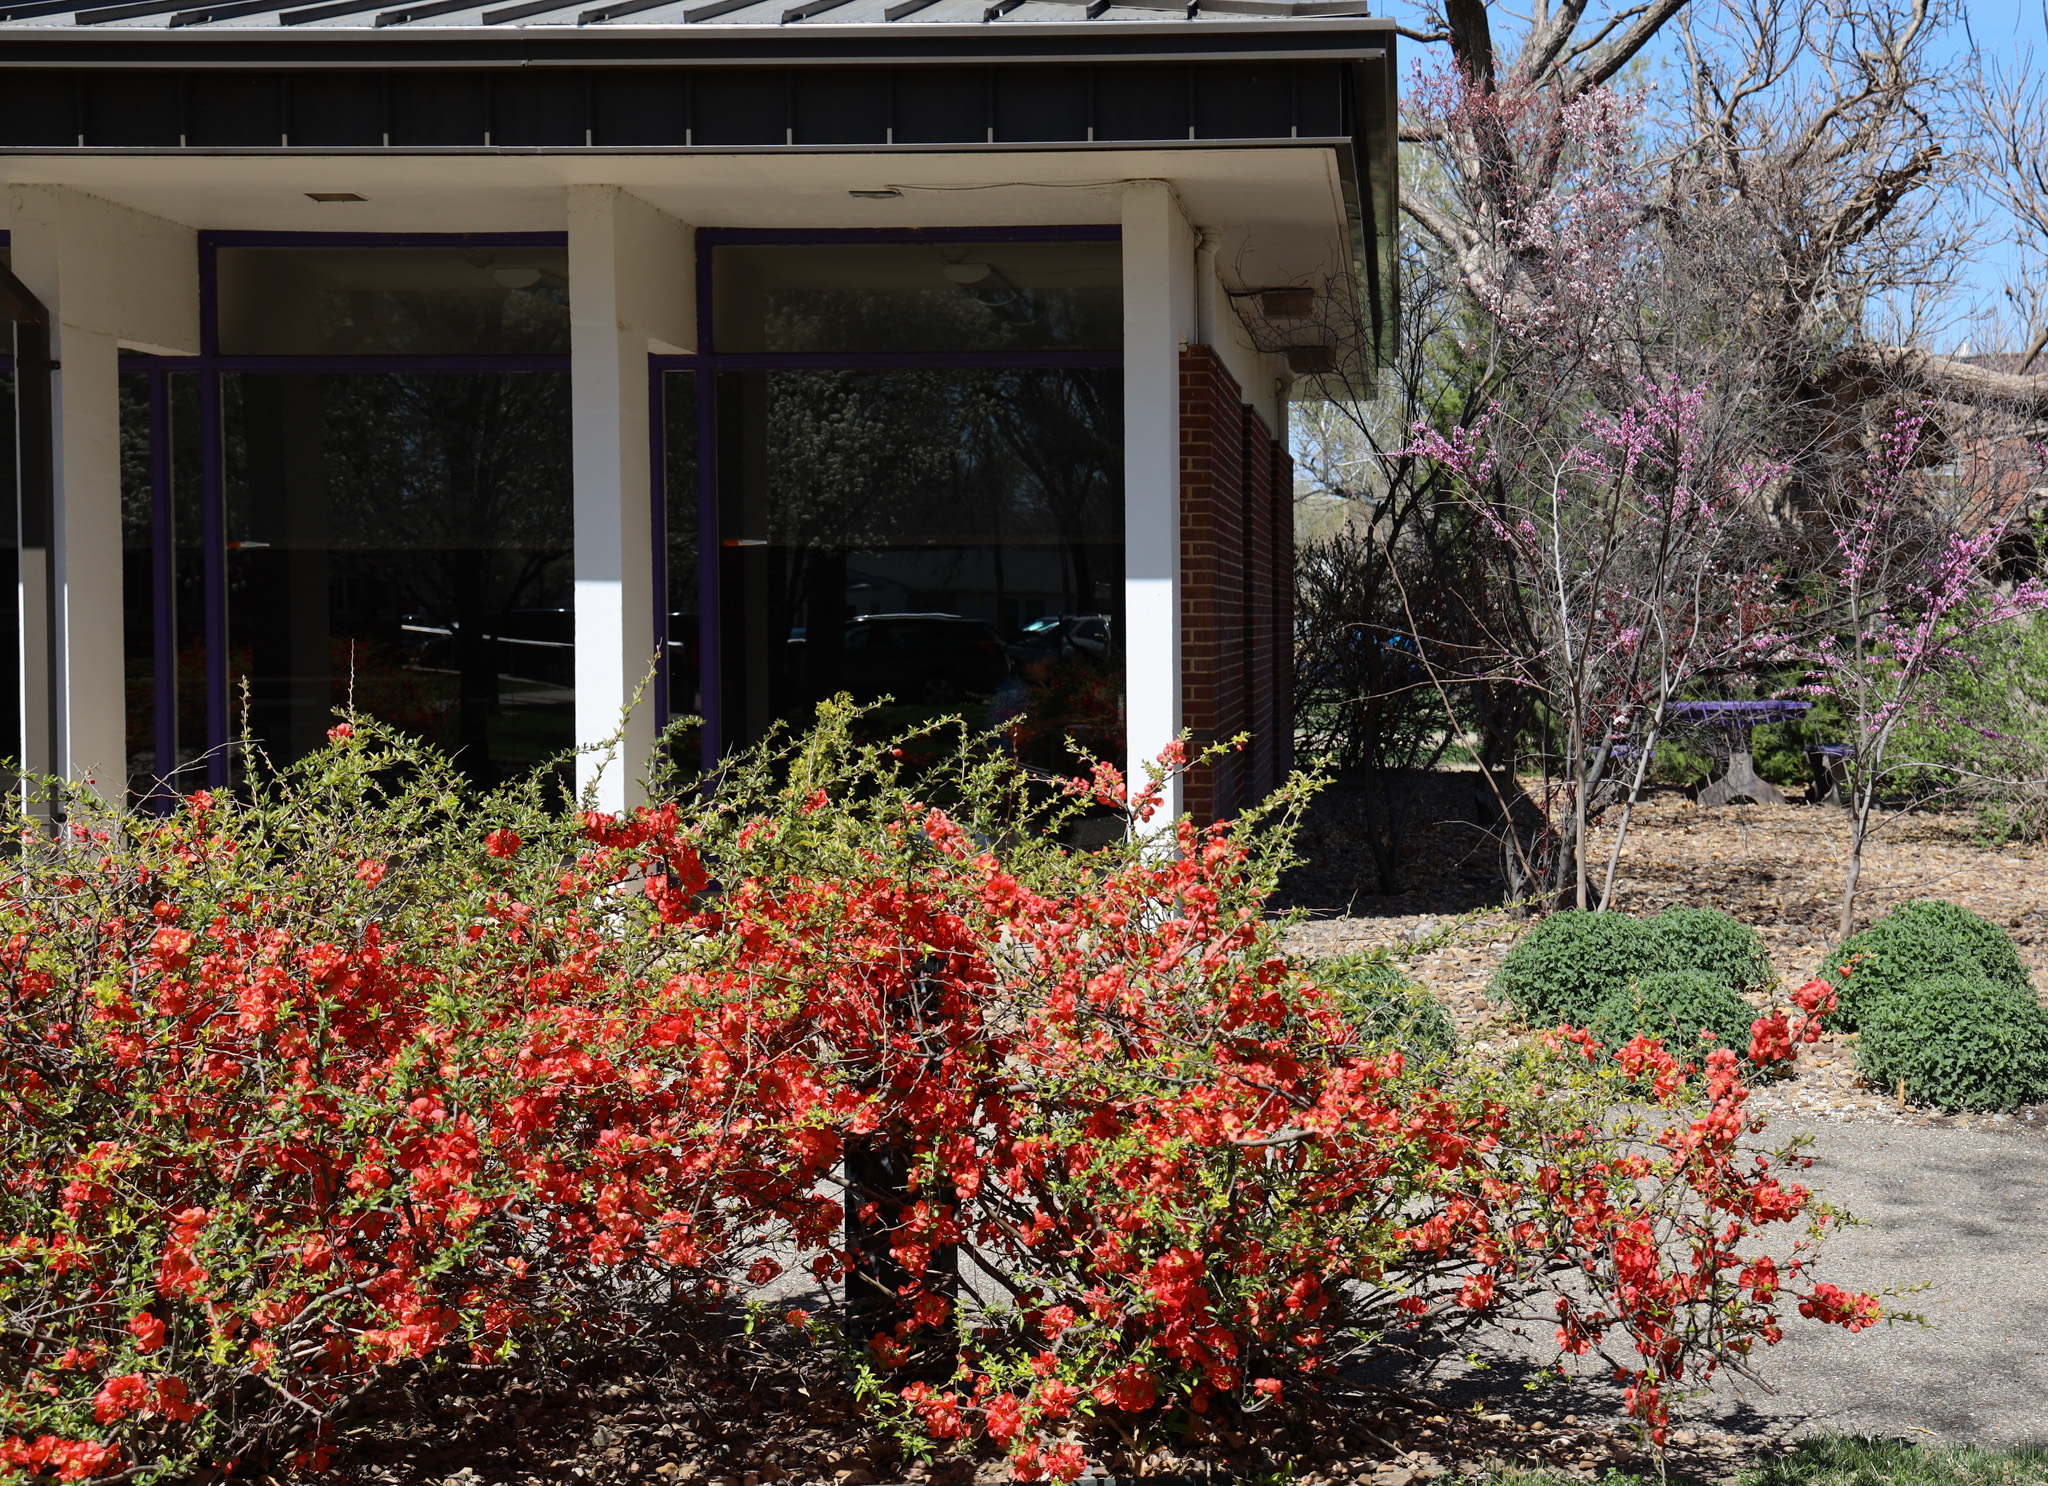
[[2001, 30]]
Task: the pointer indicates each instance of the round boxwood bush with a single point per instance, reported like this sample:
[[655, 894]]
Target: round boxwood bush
[[1386, 1006], [1561, 970], [1708, 939], [1675, 1006], [1915, 943], [1961, 1042]]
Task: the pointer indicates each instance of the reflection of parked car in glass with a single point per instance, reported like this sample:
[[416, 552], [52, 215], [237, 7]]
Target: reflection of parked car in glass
[[1065, 635], [934, 659], [529, 644]]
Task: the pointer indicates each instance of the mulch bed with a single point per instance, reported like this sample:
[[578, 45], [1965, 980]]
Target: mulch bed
[[742, 1413], [700, 1416], [1776, 868]]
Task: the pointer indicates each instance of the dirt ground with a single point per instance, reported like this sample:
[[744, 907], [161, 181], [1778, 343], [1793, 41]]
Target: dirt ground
[[1776, 868]]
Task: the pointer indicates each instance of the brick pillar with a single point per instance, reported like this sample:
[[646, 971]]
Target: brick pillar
[[1212, 575], [1264, 564], [1282, 590], [1237, 588]]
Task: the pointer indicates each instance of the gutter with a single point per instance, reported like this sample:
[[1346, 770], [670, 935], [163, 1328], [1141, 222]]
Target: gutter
[[36, 509]]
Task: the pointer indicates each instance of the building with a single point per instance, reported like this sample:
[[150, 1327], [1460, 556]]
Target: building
[[479, 362]]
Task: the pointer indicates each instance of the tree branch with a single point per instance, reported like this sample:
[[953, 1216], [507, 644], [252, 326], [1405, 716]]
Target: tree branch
[[1623, 50]]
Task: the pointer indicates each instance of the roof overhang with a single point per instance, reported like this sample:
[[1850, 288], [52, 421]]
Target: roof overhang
[[451, 78]]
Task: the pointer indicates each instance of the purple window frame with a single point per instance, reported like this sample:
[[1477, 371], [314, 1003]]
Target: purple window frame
[[211, 363], [708, 362]]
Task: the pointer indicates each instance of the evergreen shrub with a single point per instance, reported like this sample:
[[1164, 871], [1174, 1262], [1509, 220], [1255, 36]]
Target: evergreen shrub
[[1388, 1006], [1569, 964], [1675, 1006], [1914, 943], [1960, 1042], [1561, 970], [1708, 939]]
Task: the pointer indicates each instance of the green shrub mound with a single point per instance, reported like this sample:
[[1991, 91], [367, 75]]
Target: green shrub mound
[[1387, 1006], [1561, 970], [1961, 1042], [1708, 939], [1676, 1006], [1568, 965], [1914, 943]]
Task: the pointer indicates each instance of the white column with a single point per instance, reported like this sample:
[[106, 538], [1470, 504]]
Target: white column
[[632, 290], [112, 278], [1159, 307]]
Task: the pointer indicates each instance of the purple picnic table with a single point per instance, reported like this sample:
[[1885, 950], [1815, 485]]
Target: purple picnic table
[[1738, 718]]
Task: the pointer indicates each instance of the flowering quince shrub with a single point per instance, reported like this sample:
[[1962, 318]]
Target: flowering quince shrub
[[353, 1071], [361, 1069]]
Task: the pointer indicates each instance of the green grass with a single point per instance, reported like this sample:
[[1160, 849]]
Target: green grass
[[1844, 1460]]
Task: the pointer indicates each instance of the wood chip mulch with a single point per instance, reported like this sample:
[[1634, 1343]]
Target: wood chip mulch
[[1776, 868]]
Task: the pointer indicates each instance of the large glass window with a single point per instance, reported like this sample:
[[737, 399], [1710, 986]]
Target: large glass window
[[908, 456], [139, 434], [10, 552], [10, 573], [682, 670], [400, 541], [460, 299], [942, 540], [358, 493], [890, 297]]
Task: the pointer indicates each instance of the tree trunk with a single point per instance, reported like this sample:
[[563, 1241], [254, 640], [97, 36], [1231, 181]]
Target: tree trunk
[[1859, 831]]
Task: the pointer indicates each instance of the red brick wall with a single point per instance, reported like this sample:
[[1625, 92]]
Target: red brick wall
[[1280, 738], [1236, 564]]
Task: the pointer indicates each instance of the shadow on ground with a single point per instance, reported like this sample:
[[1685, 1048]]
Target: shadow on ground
[[1449, 862]]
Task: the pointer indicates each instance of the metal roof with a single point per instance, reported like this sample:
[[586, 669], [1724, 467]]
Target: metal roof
[[45, 16]]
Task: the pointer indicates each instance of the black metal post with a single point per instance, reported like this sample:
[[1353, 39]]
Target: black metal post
[[878, 1174]]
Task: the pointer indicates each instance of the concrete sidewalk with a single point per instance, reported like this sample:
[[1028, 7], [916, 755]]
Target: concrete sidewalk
[[1965, 1212]]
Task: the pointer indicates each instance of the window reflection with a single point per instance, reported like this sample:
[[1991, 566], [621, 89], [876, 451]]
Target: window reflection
[[684, 671], [10, 581], [162, 750], [138, 587], [949, 540], [403, 540], [340, 301], [1015, 296]]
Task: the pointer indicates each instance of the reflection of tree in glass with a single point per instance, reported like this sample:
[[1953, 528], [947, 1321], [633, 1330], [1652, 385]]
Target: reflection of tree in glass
[[137, 589], [945, 316], [135, 487], [846, 451], [461, 484], [529, 321], [961, 491], [1065, 430]]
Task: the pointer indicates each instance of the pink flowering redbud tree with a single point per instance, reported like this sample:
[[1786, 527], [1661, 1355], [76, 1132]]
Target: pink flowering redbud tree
[[1612, 487], [1627, 572], [1911, 582]]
